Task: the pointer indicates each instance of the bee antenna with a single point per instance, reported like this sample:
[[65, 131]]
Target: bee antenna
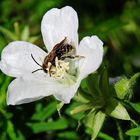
[[36, 70], [35, 61]]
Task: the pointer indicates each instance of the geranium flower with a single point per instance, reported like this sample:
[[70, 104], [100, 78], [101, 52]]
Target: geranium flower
[[36, 75]]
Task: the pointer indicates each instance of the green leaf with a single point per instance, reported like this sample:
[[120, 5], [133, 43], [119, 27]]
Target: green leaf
[[25, 33], [103, 28], [20, 136], [136, 106], [124, 86], [59, 107], [45, 113], [104, 82], [69, 135], [133, 132], [81, 108], [2, 44], [105, 136], [115, 109], [93, 84], [60, 124], [77, 116], [8, 33], [132, 138], [17, 30], [94, 121], [3, 135], [89, 118], [33, 39], [11, 131], [97, 123], [82, 96]]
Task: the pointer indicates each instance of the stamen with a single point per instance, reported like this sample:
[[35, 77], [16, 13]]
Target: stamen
[[60, 68]]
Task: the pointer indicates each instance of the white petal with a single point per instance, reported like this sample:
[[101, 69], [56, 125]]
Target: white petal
[[29, 88], [58, 24], [16, 58], [65, 93], [92, 50]]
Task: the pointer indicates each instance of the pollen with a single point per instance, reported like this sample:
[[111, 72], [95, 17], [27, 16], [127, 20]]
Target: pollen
[[60, 69]]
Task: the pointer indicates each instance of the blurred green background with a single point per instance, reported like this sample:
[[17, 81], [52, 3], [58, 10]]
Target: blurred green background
[[116, 22]]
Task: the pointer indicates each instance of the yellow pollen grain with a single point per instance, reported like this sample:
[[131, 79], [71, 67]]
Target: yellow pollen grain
[[60, 69]]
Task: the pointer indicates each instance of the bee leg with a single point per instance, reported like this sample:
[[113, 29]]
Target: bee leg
[[64, 57], [72, 57]]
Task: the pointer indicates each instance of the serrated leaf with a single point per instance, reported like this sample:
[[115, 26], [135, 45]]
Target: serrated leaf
[[115, 109], [45, 113], [60, 124], [133, 132]]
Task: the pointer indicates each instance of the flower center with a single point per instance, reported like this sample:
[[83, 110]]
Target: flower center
[[61, 62], [60, 68]]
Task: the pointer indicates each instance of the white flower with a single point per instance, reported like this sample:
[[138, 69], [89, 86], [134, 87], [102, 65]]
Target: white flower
[[60, 77]]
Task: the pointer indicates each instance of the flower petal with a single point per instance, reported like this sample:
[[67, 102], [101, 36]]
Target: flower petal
[[65, 92], [58, 24], [29, 88], [92, 50], [16, 58]]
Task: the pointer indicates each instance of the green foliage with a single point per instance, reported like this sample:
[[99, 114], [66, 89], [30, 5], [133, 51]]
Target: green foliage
[[100, 103], [44, 113], [105, 136], [96, 124], [133, 132], [69, 135], [135, 106], [117, 110], [124, 86], [60, 124]]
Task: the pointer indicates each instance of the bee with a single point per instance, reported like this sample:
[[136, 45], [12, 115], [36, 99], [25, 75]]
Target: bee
[[60, 51]]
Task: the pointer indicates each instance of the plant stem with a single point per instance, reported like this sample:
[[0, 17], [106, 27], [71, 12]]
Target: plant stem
[[120, 132]]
